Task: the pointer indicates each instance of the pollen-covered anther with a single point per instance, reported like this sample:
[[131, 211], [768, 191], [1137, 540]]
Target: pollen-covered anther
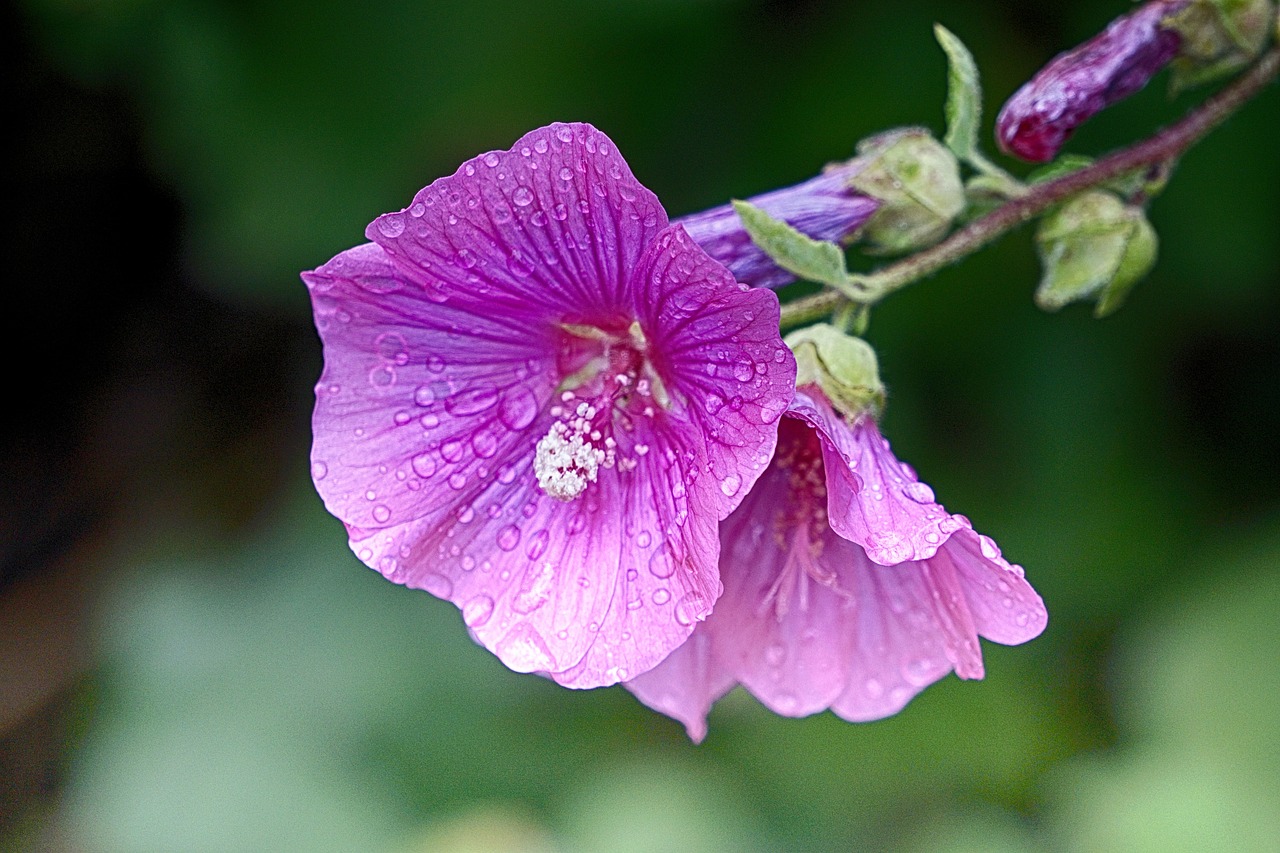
[[567, 459]]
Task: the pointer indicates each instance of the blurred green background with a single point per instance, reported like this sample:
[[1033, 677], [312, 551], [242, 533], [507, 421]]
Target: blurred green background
[[190, 657]]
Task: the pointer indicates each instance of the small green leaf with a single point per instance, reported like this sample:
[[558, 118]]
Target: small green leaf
[[802, 256], [964, 94]]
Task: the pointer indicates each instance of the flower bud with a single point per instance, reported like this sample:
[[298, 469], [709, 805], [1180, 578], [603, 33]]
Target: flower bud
[[825, 208], [1040, 117], [844, 367], [1218, 37], [1094, 245], [916, 179]]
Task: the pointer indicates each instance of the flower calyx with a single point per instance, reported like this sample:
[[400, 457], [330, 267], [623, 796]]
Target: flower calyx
[[916, 179], [843, 367]]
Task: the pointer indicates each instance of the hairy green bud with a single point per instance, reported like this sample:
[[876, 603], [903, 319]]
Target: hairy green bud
[[916, 179], [1093, 246]]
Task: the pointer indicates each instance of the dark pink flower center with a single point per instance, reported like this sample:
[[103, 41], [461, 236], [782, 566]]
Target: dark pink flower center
[[799, 526], [609, 383]]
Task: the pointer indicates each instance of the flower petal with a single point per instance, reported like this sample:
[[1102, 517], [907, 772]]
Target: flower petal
[[686, 684], [559, 218], [417, 399], [718, 343], [780, 625], [588, 592], [1004, 606], [875, 500], [666, 579]]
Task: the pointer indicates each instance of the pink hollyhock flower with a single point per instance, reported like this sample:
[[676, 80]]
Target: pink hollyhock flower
[[825, 208], [847, 586], [537, 402], [1063, 95]]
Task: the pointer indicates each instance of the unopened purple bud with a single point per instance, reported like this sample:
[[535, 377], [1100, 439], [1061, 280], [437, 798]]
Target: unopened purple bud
[[1113, 65], [824, 208]]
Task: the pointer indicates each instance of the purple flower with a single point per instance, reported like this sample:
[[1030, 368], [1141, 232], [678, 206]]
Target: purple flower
[[538, 400], [847, 586], [824, 208], [1043, 114]]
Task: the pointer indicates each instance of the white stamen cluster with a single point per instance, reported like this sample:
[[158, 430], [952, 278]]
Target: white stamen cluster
[[568, 457]]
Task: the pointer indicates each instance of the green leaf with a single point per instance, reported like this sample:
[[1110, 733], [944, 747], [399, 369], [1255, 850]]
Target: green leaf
[[964, 94], [812, 260]]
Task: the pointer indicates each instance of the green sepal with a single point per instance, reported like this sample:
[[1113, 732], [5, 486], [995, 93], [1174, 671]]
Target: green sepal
[[808, 259], [844, 367], [964, 95]]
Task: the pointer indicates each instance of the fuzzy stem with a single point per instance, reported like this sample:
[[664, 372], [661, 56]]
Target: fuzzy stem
[[1162, 148]]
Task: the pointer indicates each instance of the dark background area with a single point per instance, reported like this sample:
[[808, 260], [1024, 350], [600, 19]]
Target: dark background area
[[190, 657]]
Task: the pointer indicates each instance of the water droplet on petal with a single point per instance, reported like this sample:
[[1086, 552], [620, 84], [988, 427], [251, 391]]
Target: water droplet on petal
[[477, 611], [522, 197], [484, 444], [524, 650], [382, 377], [319, 470], [691, 608], [920, 672], [919, 492], [423, 465], [661, 596], [643, 539], [437, 584], [730, 485], [465, 258], [520, 265], [451, 451], [535, 588], [391, 225], [491, 159], [509, 537], [662, 564], [889, 547], [538, 544], [381, 513], [518, 408], [770, 411], [424, 396], [472, 401]]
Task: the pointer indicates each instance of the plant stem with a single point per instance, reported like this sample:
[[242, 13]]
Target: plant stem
[[1162, 148]]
